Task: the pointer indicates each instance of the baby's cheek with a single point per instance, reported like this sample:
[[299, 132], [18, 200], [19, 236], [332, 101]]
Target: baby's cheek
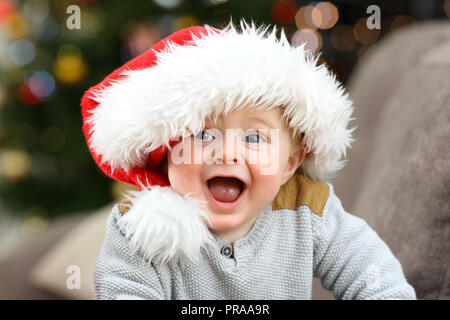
[[268, 165], [183, 177], [268, 159], [264, 186]]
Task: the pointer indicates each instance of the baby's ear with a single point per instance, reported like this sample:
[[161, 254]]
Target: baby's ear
[[296, 158]]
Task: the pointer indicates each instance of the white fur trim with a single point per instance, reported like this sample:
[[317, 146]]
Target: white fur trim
[[165, 226], [222, 73]]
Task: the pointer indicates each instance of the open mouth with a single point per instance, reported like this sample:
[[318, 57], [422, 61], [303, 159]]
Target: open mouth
[[225, 189]]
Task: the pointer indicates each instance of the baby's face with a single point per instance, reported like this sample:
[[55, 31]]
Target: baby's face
[[237, 165]]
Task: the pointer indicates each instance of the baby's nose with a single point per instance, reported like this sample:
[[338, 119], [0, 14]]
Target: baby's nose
[[228, 152]]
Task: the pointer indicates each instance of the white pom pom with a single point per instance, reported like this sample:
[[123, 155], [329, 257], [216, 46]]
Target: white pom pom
[[165, 226]]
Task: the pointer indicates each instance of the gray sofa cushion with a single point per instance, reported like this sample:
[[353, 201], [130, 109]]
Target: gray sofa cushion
[[405, 188], [373, 81]]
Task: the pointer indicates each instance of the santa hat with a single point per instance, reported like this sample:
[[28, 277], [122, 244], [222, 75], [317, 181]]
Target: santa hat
[[131, 117]]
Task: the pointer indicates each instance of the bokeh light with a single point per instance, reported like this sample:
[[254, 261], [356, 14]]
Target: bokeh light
[[185, 21], [22, 52], [15, 26], [324, 15], [27, 96], [35, 219], [42, 84], [46, 30], [7, 7], [401, 21], [6, 65], [69, 68], [303, 17], [94, 20], [168, 4], [284, 11], [14, 164], [138, 39], [312, 38], [36, 10], [342, 38], [363, 34]]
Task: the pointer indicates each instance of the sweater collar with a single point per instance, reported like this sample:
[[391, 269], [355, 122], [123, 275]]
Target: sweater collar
[[256, 231]]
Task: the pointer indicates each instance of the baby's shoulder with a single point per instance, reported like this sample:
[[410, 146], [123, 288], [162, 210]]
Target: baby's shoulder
[[123, 206], [301, 190]]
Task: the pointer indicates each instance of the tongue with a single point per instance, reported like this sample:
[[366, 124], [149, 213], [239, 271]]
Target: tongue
[[225, 189]]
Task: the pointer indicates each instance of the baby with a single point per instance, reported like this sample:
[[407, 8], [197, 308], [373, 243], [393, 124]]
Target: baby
[[230, 136]]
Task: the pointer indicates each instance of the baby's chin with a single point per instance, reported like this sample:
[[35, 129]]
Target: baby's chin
[[221, 221], [231, 222]]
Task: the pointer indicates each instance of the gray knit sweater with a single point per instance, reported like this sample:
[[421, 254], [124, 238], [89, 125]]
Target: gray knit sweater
[[277, 259]]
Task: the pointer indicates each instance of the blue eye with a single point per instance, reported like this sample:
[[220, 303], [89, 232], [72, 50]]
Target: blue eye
[[254, 138], [204, 135]]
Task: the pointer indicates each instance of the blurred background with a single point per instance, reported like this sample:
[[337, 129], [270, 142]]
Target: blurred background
[[46, 171]]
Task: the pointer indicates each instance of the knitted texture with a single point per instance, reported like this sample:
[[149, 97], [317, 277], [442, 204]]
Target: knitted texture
[[277, 259]]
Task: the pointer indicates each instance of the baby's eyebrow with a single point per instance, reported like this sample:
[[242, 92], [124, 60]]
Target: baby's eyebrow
[[262, 120]]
